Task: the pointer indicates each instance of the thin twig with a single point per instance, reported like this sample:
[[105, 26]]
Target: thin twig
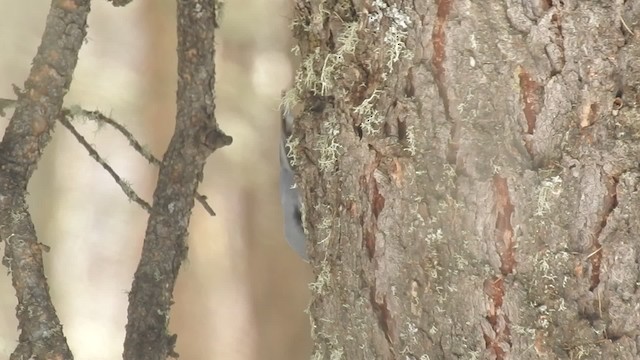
[[594, 252], [626, 27], [100, 118], [131, 194]]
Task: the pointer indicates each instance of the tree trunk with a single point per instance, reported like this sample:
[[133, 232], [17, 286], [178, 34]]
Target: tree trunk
[[469, 171]]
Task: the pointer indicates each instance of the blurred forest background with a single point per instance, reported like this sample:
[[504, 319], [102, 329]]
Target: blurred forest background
[[242, 292]]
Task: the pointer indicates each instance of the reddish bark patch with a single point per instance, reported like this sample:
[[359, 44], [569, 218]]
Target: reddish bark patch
[[438, 38], [373, 205], [68, 5], [505, 242], [610, 202], [397, 173], [381, 309], [369, 242], [499, 337], [378, 200], [530, 93], [530, 99], [410, 89], [367, 223], [555, 51], [494, 289], [540, 342]]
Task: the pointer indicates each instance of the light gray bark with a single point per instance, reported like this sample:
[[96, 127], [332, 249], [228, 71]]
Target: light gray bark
[[469, 178]]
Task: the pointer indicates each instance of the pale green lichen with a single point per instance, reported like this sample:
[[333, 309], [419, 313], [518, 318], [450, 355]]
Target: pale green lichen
[[317, 355], [348, 38], [347, 42], [548, 188], [395, 38], [371, 117], [307, 77], [326, 224], [411, 140], [336, 353], [396, 35], [434, 236], [327, 75], [288, 101], [327, 146], [296, 50], [317, 18], [291, 143], [322, 280], [303, 217]]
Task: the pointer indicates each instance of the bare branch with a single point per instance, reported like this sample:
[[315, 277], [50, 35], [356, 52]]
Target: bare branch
[[25, 138], [126, 188], [100, 118], [202, 199], [196, 137]]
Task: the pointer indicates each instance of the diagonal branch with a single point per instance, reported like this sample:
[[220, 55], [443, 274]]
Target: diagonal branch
[[100, 118], [196, 136], [126, 188], [25, 138]]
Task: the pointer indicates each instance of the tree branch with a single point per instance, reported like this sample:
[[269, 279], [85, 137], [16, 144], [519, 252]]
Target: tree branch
[[126, 188], [135, 144], [26, 136], [196, 137]]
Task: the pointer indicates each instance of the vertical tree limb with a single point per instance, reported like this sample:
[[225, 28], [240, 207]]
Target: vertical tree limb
[[25, 138], [196, 137]]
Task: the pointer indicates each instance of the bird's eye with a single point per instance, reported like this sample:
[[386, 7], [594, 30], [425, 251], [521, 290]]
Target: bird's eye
[[297, 214]]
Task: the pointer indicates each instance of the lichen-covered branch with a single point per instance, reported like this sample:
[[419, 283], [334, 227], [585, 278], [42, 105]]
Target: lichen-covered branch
[[196, 137], [126, 188], [25, 138], [101, 119]]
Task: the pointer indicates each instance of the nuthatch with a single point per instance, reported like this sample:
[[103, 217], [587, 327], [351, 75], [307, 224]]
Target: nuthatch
[[289, 196]]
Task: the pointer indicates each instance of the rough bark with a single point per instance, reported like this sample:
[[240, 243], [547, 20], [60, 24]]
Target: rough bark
[[470, 176], [28, 133], [196, 136]]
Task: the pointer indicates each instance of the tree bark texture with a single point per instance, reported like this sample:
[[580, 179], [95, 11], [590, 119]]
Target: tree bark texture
[[28, 133], [196, 136], [470, 177]]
